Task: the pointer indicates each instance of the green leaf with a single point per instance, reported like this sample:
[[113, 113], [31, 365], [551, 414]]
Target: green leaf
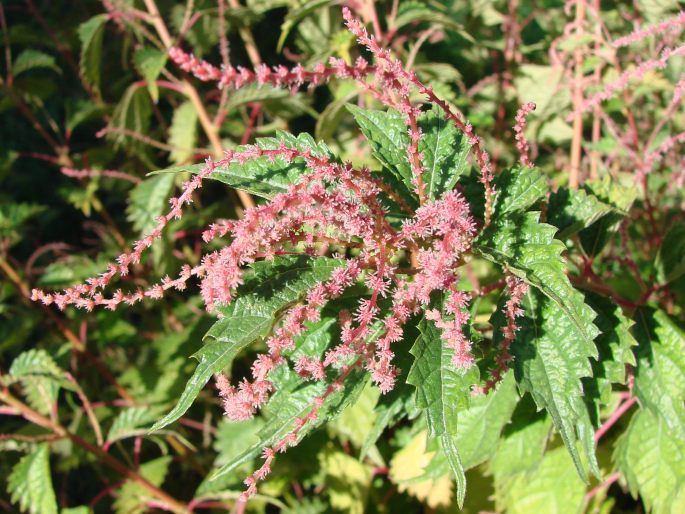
[[649, 456], [598, 234], [348, 481], [133, 498], [147, 201], [150, 62], [551, 487], [261, 176], [522, 444], [40, 377], [31, 59], [183, 132], [296, 14], [445, 152], [399, 402], [130, 422], [442, 390], [670, 261], [91, 34], [132, 113], [551, 356], [518, 189], [272, 286], [479, 426], [30, 483], [520, 243], [614, 345], [356, 421], [573, 210], [387, 134], [660, 371], [414, 12], [294, 399]]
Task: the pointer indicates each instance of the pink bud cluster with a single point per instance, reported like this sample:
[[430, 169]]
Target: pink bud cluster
[[670, 25], [517, 289], [627, 77], [519, 130], [74, 173], [391, 87]]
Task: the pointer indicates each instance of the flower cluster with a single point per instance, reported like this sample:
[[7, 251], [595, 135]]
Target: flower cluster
[[333, 203]]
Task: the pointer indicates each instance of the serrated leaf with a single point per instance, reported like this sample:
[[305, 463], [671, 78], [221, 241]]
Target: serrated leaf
[[294, 399], [670, 261], [147, 201], [40, 377], [386, 132], [30, 483], [660, 371], [445, 152], [551, 487], [614, 344], [130, 421], [149, 62], [479, 426], [357, 420], [597, 235], [132, 498], [518, 189], [183, 132], [442, 390], [296, 14], [551, 357], [414, 12], [132, 113], [520, 243], [399, 402], [522, 444], [272, 286], [649, 456], [31, 59], [573, 210], [91, 34], [261, 176]]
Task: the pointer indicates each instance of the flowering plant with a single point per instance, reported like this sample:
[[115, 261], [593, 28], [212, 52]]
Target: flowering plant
[[468, 306]]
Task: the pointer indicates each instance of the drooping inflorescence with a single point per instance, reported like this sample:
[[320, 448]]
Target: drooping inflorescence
[[331, 203]]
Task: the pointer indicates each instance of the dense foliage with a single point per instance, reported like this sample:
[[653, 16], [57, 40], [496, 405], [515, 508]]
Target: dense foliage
[[424, 256]]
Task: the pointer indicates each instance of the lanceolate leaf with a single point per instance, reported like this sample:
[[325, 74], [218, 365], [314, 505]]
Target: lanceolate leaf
[[670, 262], [442, 390], [518, 189], [183, 132], [528, 249], [551, 487], [386, 132], [30, 483], [294, 399], [272, 286], [660, 371], [573, 210], [650, 458], [445, 152], [614, 344], [147, 202], [550, 359], [91, 34], [149, 62], [480, 425], [261, 176]]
